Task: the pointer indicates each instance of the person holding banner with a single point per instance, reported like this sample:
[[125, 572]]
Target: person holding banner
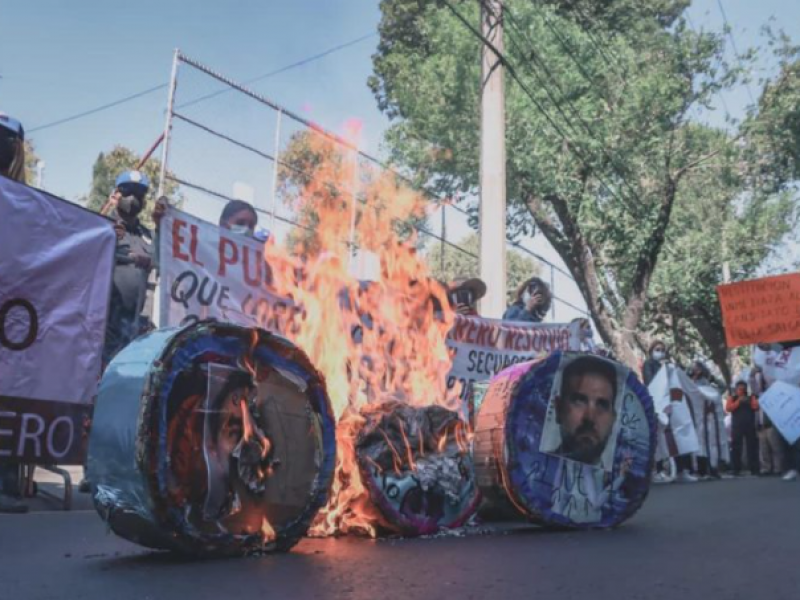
[[134, 261], [239, 217], [532, 303], [743, 409], [12, 165]]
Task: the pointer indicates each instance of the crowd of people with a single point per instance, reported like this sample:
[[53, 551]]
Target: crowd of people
[[748, 443]]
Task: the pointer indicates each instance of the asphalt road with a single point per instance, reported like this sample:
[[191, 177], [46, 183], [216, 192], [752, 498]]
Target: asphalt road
[[722, 541]]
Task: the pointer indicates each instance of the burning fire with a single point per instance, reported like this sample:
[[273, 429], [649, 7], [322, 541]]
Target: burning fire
[[373, 341]]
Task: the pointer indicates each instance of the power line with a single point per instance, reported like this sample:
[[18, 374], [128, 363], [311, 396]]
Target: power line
[[594, 41], [543, 66], [299, 63], [99, 108], [512, 71], [162, 86], [729, 32]]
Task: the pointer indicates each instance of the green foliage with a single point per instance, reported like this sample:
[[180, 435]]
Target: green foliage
[[446, 263], [318, 174], [110, 164], [605, 154], [31, 160]]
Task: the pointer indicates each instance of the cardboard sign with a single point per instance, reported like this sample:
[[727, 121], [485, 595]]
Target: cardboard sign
[[484, 347], [208, 272], [55, 280], [761, 310], [781, 402]]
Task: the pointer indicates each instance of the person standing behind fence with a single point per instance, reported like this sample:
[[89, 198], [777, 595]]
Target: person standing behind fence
[[464, 293], [743, 409], [239, 217], [533, 299], [12, 166], [133, 263]]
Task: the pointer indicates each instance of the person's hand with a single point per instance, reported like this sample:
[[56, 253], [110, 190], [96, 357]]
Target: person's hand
[[534, 301], [119, 229], [159, 210], [111, 203], [463, 309], [142, 261]]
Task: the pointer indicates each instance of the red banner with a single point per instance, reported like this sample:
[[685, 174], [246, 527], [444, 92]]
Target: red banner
[[761, 310]]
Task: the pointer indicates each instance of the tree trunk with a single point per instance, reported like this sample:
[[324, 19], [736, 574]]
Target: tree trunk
[[713, 336]]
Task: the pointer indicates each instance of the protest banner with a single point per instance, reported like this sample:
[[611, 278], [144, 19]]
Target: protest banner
[[484, 347], [208, 272], [761, 310], [781, 402], [781, 364], [55, 280]]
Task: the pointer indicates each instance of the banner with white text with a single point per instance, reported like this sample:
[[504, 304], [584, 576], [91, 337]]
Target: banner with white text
[[56, 267], [208, 272]]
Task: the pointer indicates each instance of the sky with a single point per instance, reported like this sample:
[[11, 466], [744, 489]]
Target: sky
[[60, 58]]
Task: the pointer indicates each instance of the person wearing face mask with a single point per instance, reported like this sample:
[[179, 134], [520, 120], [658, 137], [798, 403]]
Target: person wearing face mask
[[532, 303], [134, 261], [239, 217], [656, 357]]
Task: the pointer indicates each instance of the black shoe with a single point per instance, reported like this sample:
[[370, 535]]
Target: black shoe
[[85, 486]]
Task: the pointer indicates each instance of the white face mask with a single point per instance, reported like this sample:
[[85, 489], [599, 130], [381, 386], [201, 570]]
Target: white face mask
[[526, 297], [659, 355], [241, 230]]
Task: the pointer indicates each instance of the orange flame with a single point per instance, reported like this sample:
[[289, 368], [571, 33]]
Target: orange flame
[[402, 318]]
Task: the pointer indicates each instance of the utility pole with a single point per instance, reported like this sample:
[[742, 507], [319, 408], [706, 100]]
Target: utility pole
[[493, 164]]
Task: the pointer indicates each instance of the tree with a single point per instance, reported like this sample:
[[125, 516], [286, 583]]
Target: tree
[[733, 215], [318, 174], [600, 142], [110, 164], [31, 160], [446, 263]]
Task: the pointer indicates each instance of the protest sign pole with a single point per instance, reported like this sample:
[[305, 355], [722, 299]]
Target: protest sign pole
[[173, 84]]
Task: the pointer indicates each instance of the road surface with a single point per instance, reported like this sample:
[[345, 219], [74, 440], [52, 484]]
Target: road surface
[[722, 540]]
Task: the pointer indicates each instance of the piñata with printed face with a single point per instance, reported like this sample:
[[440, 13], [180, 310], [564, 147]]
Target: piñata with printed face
[[567, 440], [211, 439], [416, 466]]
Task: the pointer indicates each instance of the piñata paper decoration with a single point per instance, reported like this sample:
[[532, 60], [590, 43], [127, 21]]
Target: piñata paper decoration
[[416, 466], [566, 441], [211, 439]]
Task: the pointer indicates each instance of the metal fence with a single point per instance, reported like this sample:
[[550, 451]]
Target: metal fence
[[196, 126]]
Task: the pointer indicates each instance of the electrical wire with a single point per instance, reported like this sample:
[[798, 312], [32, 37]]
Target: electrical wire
[[738, 56], [564, 100], [512, 71], [162, 86]]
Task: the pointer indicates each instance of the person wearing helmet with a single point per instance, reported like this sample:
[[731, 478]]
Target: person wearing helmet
[[12, 165], [12, 148], [134, 261]]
